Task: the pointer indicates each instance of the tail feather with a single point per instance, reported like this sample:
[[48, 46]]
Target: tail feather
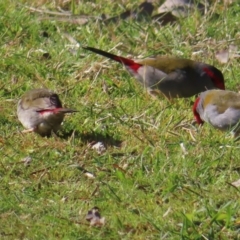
[[126, 61], [67, 110]]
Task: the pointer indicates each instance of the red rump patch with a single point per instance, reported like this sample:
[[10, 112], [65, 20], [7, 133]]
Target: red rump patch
[[129, 62], [196, 114], [218, 81], [53, 110]]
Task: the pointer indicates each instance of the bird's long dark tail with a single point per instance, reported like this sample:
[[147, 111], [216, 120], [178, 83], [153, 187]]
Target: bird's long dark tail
[[126, 61], [67, 110]]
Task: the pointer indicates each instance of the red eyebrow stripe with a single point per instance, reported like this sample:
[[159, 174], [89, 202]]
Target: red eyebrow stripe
[[217, 81]]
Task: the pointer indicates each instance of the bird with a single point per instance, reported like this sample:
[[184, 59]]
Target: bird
[[220, 108], [171, 76], [40, 111]]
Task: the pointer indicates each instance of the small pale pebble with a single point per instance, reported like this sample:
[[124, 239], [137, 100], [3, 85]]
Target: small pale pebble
[[99, 147], [27, 160], [185, 152], [89, 175]]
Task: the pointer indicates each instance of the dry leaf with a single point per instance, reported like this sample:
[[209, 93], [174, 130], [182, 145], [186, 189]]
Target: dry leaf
[[144, 10], [224, 55], [228, 2], [78, 20], [236, 183], [180, 8]]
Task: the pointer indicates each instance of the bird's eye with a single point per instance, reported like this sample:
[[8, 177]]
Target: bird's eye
[[54, 99]]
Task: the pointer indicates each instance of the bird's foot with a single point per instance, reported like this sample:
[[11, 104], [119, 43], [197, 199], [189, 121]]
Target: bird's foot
[[235, 135], [154, 92], [28, 130]]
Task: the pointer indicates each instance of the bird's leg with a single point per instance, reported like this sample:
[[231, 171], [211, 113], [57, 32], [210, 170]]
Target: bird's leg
[[54, 135], [28, 130], [235, 135], [153, 92]]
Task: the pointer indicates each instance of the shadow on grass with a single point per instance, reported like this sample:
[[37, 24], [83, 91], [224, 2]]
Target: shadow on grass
[[91, 137]]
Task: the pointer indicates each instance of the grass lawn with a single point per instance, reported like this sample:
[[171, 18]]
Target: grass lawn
[[160, 176]]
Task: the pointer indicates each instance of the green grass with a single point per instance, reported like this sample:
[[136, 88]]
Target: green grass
[[144, 185]]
